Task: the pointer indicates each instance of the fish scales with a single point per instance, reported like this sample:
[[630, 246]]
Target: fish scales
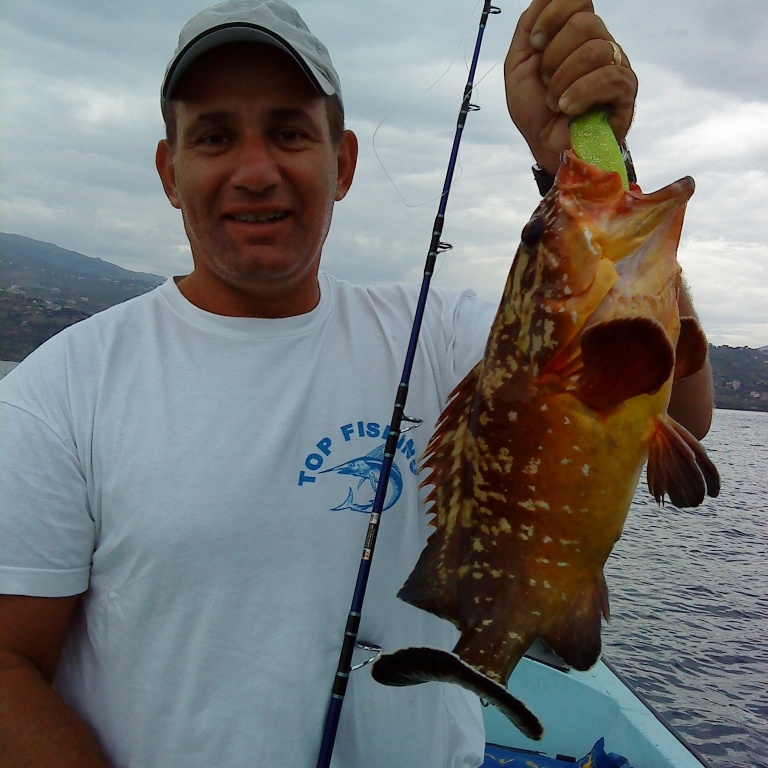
[[537, 456]]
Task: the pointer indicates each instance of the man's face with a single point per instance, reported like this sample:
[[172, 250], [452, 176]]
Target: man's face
[[255, 174]]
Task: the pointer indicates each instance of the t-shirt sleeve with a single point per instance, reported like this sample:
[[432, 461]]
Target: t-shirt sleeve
[[466, 323], [46, 529]]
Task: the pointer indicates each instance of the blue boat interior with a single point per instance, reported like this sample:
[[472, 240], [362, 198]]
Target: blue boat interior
[[496, 755]]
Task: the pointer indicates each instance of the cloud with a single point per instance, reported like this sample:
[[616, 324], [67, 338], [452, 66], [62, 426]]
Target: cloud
[[81, 120]]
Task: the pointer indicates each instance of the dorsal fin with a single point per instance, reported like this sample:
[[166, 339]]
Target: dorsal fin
[[433, 582]]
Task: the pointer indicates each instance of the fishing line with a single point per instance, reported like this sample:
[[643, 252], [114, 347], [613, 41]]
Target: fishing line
[[437, 246], [386, 118]]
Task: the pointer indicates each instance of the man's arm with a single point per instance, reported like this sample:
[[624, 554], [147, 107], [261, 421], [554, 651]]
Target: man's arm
[[37, 728], [691, 403]]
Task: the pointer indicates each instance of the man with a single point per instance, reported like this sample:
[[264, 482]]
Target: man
[[184, 474]]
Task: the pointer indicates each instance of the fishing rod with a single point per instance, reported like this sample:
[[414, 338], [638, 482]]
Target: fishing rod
[[436, 246]]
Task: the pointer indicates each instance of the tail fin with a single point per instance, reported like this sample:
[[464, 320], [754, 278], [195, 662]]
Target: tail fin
[[411, 666]]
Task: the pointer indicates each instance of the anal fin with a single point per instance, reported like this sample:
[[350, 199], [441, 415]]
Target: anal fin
[[575, 636]]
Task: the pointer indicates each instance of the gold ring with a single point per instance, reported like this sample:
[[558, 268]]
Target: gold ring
[[617, 58]]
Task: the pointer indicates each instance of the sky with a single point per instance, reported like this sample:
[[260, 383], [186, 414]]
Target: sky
[[80, 119]]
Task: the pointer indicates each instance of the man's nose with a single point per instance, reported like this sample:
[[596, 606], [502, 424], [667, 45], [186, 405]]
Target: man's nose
[[256, 167]]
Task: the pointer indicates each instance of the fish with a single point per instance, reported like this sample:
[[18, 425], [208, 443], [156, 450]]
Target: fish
[[536, 458], [368, 469]]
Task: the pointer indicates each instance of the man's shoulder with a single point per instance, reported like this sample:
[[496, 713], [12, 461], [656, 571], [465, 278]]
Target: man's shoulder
[[401, 296]]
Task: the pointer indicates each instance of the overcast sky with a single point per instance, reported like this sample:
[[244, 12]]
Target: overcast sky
[[80, 120]]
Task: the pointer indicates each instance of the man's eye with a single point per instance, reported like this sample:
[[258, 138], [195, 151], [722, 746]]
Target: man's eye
[[215, 139], [290, 135]]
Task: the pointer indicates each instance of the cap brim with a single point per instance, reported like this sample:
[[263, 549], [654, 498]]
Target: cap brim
[[237, 33]]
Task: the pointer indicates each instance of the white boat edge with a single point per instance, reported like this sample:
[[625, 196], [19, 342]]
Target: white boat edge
[[578, 708]]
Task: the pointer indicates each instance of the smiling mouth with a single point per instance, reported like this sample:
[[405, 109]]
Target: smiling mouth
[[259, 218]]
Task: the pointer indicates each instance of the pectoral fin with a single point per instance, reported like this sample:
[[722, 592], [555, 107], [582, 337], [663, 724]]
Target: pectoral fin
[[622, 359], [678, 466], [691, 350]]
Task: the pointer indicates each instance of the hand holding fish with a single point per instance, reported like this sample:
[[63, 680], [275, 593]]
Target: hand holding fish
[[561, 62]]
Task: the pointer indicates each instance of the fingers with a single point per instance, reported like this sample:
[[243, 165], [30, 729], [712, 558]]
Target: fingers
[[552, 17], [561, 62], [582, 66]]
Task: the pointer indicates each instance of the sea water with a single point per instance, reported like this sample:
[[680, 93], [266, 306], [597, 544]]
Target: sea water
[[689, 601]]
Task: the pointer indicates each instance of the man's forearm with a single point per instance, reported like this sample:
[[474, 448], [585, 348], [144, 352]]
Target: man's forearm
[[37, 728], [692, 399]]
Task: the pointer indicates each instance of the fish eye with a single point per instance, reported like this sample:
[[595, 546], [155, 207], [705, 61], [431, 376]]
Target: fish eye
[[533, 232]]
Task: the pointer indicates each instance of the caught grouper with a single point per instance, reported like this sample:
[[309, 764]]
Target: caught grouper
[[536, 458]]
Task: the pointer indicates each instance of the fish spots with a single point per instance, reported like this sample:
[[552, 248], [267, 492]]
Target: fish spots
[[563, 565], [477, 544], [568, 542], [532, 467], [504, 525], [585, 470], [566, 420], [532, 582], [549, 329], [526, 531], [575, 316], [528, 504], [512, 416], [542, 560], [547, 539], [565, 462], [544, 407]]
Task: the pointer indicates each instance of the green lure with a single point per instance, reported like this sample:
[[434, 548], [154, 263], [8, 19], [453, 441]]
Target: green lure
[[593, 142]]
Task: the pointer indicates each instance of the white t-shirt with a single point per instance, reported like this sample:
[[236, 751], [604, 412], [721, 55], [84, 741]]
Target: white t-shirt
[[204, 481]]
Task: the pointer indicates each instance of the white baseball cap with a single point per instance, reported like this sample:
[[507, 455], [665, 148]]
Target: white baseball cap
[[273, 22]]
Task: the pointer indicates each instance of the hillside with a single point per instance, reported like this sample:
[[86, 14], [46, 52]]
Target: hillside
[[741, 377], [44, 288]]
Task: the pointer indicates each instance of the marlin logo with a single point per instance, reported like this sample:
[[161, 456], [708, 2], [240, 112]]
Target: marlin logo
[[368, 469]]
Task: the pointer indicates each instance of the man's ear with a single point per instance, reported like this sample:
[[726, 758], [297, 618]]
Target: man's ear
[[347, 162], [167, 171]]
